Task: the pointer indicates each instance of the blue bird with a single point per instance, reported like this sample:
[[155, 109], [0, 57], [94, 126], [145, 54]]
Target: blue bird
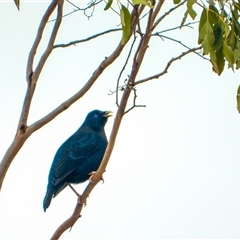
[[78, 156]]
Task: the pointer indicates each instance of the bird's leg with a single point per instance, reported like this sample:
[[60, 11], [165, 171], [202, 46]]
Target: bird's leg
[[92, 176], [78, 195], [73, 189]]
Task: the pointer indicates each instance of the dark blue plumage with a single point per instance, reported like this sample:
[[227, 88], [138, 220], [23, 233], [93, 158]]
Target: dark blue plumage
[[79, 155]]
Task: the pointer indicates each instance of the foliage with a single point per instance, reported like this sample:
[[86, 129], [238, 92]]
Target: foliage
[[17, 3], [238, 99], [219, 31]]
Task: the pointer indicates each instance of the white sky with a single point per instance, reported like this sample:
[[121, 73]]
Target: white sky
[[174, 172]]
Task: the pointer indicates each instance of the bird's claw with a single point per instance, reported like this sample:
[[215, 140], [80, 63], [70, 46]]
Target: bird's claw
[[92, 176]]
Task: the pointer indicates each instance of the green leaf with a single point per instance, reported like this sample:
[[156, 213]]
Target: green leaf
[[220, 61], [234, 13], [237, 5], [228, 54], [17, 3], [176, 1], [203, 20], [208, 38], [238, 99], [231, 41], [218, 42], [226, 29], [217, 61], [236, 26], [213, 15], [213, 59], [108, 5], [236, 52], [191, 12], [237, 65], [126, 24], [144, 2], [184, 19], [235, 22]]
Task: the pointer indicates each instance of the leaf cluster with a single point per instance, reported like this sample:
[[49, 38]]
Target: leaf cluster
[[218, 31]]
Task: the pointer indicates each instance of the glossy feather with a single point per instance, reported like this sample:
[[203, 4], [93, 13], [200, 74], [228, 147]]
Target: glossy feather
[[78, 156]]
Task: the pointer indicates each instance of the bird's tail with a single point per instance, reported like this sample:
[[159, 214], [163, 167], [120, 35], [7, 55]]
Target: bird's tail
[[48, 197]]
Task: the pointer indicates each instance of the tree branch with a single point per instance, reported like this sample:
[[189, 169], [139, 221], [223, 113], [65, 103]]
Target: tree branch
[[178, 27], [167, 13], [51, 41], [167, 66], [86, 39], [123, 68], [32, 77], [179, 42], [109, 60], [38, 38], [117, 121], [134, 101]]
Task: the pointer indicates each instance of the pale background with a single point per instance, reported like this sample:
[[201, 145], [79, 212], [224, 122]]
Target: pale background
[[174, 172]]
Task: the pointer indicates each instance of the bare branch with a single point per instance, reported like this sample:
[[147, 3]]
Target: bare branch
[[90, 5], [39, 37], [97, 176], [86, 39], [156, 11], [134, 102], [32, 77], [35, 126], [51, 40], [137, 61], [178, 27], [76, 213], [167, 66], [123, 68], [179, 42], [167, 13]]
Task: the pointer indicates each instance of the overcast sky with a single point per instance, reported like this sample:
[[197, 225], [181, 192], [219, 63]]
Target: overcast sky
[[174, 172]]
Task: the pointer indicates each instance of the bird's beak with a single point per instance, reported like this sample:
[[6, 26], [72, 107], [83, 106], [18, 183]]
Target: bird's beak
[[108, 114]]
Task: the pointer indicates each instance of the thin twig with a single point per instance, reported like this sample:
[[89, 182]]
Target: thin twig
[[91, 5], [51, 41], [167, 66], [86, 39], [123, 68], [38, 38], [179, 42], [134, 102], [178, 27], [166, 14]]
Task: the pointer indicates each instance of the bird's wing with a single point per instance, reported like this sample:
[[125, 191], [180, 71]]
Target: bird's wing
[[77, 149]]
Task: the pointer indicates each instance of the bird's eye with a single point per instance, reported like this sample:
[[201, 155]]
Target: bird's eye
[[95, 116]]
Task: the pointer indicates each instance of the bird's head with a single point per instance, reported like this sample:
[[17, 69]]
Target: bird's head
[[97, 119]]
